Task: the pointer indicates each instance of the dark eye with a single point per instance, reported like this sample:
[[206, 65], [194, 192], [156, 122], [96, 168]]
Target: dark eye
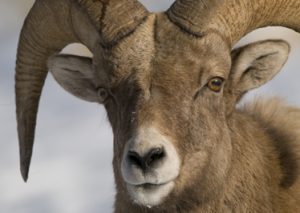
[[102, 94], [215, 84]]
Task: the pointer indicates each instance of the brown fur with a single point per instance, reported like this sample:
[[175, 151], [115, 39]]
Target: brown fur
[[263, 175], [242, 160], [245, 162], [157, 74]]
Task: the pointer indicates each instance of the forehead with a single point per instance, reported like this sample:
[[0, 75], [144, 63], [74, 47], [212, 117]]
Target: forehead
[[160, 53]]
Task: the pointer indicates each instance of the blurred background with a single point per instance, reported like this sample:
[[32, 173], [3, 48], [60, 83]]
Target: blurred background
[[71, 169]]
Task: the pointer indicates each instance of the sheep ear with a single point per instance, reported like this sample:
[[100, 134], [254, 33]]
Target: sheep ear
[[75, 74], [254, 65], [257, 63]]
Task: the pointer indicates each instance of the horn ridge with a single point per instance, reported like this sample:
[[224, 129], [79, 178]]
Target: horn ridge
[[49, 27], [119, 19], [234, 18]]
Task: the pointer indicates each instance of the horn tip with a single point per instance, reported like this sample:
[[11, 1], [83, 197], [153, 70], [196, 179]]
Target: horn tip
[[25, 177], [25, 169]]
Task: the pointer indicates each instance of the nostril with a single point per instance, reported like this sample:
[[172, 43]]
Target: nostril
[[154, 155], [136, 159]]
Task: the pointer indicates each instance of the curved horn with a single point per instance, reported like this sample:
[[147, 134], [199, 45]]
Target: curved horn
[[48, 28], [234, 18]]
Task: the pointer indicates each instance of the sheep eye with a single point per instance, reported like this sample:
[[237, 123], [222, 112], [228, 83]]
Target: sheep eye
[[102, 94], [215, 84]]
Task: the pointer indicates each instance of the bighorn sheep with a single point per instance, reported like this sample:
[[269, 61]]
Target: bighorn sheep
[[170, 85]]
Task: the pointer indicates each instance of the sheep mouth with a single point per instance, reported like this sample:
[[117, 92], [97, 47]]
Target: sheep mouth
[[149, 194], [149, 186]]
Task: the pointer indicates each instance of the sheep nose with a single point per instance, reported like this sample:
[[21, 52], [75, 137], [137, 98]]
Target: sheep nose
[[150, 159]]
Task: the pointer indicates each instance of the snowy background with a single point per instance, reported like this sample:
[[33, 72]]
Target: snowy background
[[71, 168]]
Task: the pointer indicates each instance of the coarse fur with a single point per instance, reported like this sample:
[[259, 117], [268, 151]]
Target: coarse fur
[[263, 167], [228, 169], [170, 83]]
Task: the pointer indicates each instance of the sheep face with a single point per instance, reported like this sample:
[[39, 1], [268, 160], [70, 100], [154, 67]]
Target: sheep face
[[169, 98]]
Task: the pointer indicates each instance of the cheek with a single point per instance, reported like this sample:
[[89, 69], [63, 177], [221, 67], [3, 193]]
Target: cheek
[[122, 127], [207, 131], [121, 115], [207, 119], [111, 113], [193, 167]]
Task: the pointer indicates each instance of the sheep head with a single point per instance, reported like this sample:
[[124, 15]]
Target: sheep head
[[168, 81]]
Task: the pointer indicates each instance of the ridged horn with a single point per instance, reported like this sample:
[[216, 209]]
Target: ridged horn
[[234, 18], [48, 28]]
